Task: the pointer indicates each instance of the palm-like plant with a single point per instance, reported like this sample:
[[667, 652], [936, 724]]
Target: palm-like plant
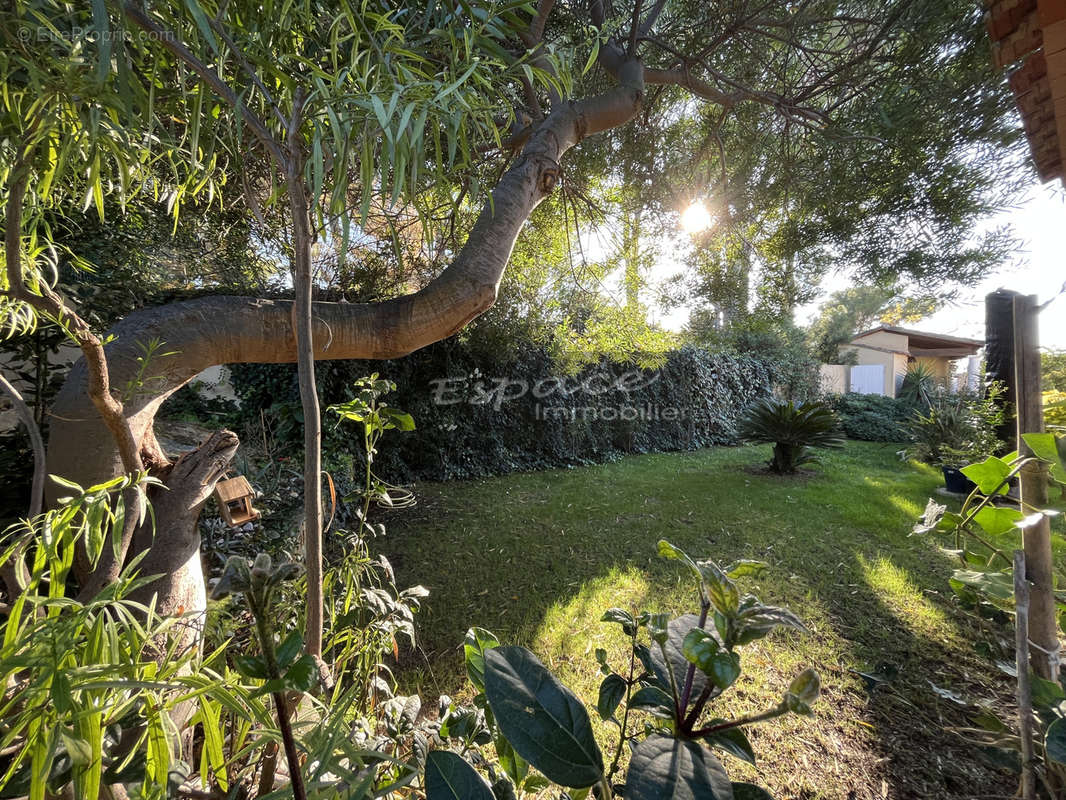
[[919, 384], [792, 429]]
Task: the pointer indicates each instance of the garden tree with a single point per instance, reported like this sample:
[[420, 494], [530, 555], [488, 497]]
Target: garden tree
[[853, 310], [894, 186], [1053, 367], [326, 111]]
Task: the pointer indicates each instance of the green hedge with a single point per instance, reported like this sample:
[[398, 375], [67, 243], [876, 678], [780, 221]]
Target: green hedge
[[479, 416], [872, 417]]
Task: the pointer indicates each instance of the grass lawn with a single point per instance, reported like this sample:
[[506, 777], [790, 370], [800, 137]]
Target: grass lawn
[[536, 558]]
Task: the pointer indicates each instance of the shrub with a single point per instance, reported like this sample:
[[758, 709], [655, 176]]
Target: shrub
[[472, 425], [793, 430], [919, 384], [957, 428], [872, 417], [1054, 409]]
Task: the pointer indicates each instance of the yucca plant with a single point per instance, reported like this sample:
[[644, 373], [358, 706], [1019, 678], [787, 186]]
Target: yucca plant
[[792, 429], [919, 384]]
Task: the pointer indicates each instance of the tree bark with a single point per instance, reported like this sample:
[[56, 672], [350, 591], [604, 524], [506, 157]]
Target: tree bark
[[302, 239]]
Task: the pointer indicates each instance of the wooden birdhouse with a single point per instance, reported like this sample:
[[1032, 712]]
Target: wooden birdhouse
[[234, 498]]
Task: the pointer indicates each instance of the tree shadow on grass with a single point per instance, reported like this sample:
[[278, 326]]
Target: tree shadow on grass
[[536, 558]]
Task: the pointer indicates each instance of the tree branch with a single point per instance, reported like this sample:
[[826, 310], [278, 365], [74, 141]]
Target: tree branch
[[36, 443]]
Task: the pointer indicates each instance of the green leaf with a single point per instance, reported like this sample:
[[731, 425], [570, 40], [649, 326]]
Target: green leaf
[[675, 553], [699, 648], [721, 591], [302, 675], [449, 777], [659, 627], [653, 700], [251, 667], [996, 521], [1044, 447], [745, 568], [612, 690], [664, 768], [289, 649], [678, 629], [725, 669], [542, 719], [1055, 741], [622, 617], [733, 740], [988, 475], [996, 586], [400, 419], [477, 641], [513, 764], [79, 750], [1046, 694], [201, 22]]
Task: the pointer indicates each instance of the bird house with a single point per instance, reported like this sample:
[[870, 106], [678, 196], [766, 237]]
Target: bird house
[[234, 498]]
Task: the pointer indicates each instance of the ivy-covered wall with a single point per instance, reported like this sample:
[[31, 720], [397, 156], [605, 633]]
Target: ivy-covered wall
[[478, 416]]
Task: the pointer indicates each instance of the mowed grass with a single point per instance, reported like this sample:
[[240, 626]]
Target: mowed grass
[[536, 558]]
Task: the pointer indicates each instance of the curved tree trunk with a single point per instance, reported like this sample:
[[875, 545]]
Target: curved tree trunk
[[223, 330]]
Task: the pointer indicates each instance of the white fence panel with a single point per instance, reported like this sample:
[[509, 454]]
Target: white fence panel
[[868, 379]]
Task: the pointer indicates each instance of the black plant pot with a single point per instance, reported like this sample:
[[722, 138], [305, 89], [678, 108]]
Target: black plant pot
[[956, 482]]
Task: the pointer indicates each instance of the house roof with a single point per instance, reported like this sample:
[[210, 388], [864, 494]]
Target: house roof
[[930, 345], [1029, 38]]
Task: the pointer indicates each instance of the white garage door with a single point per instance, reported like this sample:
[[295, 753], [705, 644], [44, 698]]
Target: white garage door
[[868, 379]]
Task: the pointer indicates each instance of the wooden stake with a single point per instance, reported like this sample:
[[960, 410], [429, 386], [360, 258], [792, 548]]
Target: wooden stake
[[1043, 626], [1025, 696]]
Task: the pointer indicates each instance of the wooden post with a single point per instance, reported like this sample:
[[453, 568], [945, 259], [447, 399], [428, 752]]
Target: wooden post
[[1025, 693], [1043, 626], [999, 357]]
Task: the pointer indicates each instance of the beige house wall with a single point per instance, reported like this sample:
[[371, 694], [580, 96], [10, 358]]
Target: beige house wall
[[943, 368], [887, 340], [834, 378]]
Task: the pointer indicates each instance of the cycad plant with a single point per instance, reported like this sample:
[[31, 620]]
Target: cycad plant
[[792, 429]]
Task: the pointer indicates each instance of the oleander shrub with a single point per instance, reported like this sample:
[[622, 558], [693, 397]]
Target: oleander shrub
[[872, 417]]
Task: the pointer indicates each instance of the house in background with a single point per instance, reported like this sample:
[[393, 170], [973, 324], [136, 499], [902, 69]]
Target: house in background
[[881, 356]]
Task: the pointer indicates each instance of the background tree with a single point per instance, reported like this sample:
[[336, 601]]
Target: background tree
[[1053, 366], [857, 308]]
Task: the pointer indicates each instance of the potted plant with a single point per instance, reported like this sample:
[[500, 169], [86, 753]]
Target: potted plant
[[955, 430]]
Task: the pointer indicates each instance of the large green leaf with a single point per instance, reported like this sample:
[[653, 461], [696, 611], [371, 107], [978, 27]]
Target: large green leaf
[[996, 521], [664, 768], [477, 641], [448, 777], [989, 475], [1055, 741], [542, 719]]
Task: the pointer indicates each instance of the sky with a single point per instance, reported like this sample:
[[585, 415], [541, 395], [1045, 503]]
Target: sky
[[1039, 268], [1040, 224]]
